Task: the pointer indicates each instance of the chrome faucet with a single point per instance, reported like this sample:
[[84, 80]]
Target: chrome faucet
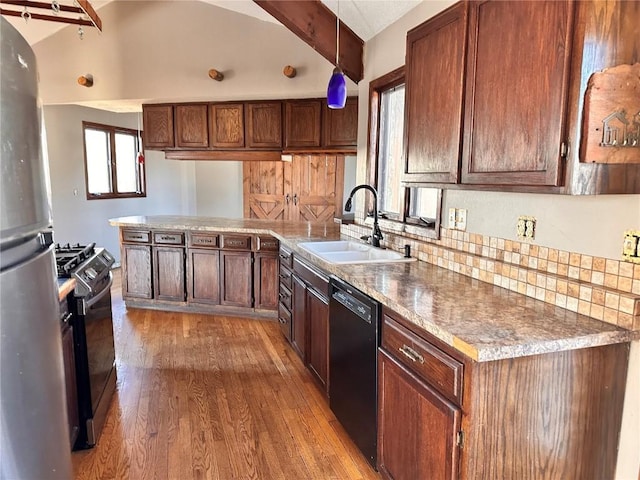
[[376, 234]]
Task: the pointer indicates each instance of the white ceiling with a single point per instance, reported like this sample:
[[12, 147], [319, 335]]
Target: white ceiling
[[365, 17]]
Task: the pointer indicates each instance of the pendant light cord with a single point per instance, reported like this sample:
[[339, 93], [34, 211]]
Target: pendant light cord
[[338, 36]]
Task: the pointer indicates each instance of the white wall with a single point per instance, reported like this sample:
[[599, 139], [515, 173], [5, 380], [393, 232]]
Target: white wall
[[78, 220], [162, 50], [591, 225], [218, 186]]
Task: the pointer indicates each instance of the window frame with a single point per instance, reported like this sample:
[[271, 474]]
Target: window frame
[[111, 131], [403, 221], [376, 88]]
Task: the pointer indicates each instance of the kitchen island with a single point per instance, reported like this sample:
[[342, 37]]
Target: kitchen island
[[474, 381], [482, 321]]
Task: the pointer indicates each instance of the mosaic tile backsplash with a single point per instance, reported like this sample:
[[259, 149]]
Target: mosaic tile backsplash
[[601, 288]]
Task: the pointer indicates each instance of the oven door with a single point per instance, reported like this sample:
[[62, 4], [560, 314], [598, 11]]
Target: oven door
[[98, 324]]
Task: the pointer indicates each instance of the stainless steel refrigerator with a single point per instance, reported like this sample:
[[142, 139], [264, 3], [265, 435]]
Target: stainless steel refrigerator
[[34, 442]]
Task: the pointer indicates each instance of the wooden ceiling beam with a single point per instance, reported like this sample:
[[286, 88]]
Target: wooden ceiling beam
[[315, 24]]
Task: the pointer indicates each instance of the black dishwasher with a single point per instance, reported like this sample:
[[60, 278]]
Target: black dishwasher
[[353, 344]]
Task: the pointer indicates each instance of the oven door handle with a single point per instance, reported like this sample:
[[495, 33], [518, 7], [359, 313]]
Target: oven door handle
[[93, 300]]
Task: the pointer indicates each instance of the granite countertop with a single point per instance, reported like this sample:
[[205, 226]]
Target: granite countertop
[[482, 321], [65, 286]]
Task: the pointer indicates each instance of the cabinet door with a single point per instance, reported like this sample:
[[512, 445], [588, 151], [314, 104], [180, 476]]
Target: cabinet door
[[299, 317], [203, 276], [317, 307], [236, 279], [169, 274], [226, 123], [434, 97], [263, 125], [517, 74], [70, 383], [265, 284], [191, 126], [340, 127], [417, 427], [316, 184], [158, 126], [264, 190], [302, 123], [136, 271]]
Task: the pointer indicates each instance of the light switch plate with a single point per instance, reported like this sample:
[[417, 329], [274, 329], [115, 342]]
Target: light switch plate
[[461, 219], [452, 218], [631, 245]]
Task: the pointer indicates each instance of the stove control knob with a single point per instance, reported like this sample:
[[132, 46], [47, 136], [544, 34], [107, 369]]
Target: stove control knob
[[91, 273]]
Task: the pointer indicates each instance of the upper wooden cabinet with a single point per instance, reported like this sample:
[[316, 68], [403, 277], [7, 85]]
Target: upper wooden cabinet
[[226, 125], [340, 127], [436, 55], [250, 130], [311, 125], [302, 123], [158, 126], [495, 94], [191, 126], [516, 93], [263, 124]]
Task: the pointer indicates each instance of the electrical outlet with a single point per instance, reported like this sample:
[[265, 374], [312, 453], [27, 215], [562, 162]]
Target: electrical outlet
[[452, 218], [526, 228], [631, 246], [461, 219]]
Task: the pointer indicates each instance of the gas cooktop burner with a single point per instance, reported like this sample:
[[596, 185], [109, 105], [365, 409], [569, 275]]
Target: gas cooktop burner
[[69, 257]]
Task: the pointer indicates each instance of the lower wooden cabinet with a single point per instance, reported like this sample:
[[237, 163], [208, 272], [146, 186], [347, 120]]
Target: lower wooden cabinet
[[236, 275], [299, 317], [265, 280], [537, 417], [136, 271], [417, 427], [200, 270], [310, 319], [169, 274], [318, 320], [203, 276]]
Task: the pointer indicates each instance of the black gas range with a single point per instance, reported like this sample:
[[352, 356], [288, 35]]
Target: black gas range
[[88, 264], [92, 324]]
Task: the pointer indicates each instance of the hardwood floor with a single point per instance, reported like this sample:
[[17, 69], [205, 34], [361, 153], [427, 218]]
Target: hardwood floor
[[213, 397]]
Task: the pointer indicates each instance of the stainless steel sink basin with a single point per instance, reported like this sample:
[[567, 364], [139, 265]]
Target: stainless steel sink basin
[[351, 252]]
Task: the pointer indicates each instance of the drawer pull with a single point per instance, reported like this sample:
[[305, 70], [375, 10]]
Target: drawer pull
[[137, 237], [284, 257], [167, 237], [411, 354]]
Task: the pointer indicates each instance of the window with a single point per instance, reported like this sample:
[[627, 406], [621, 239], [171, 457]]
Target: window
[[407, 205], [111, 160]]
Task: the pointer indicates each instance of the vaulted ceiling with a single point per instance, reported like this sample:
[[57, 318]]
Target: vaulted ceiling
[[365, 17]]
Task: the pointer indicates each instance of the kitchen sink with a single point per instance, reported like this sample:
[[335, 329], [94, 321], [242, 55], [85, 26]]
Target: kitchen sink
[[349, 252]]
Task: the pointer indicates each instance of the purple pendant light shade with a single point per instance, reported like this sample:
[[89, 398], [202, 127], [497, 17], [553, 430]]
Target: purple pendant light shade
[[337, 89]]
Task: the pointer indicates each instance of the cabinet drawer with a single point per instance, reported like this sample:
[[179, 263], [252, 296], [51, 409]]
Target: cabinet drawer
[[285, 296], [439, 369], [267, 244], [285, 276], [168, 238], [136, 236], [312, 276], [284, 318], [236, 242], [203, 240], [286, 257]]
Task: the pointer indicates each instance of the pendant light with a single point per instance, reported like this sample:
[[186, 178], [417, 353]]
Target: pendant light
[[337, 89]]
